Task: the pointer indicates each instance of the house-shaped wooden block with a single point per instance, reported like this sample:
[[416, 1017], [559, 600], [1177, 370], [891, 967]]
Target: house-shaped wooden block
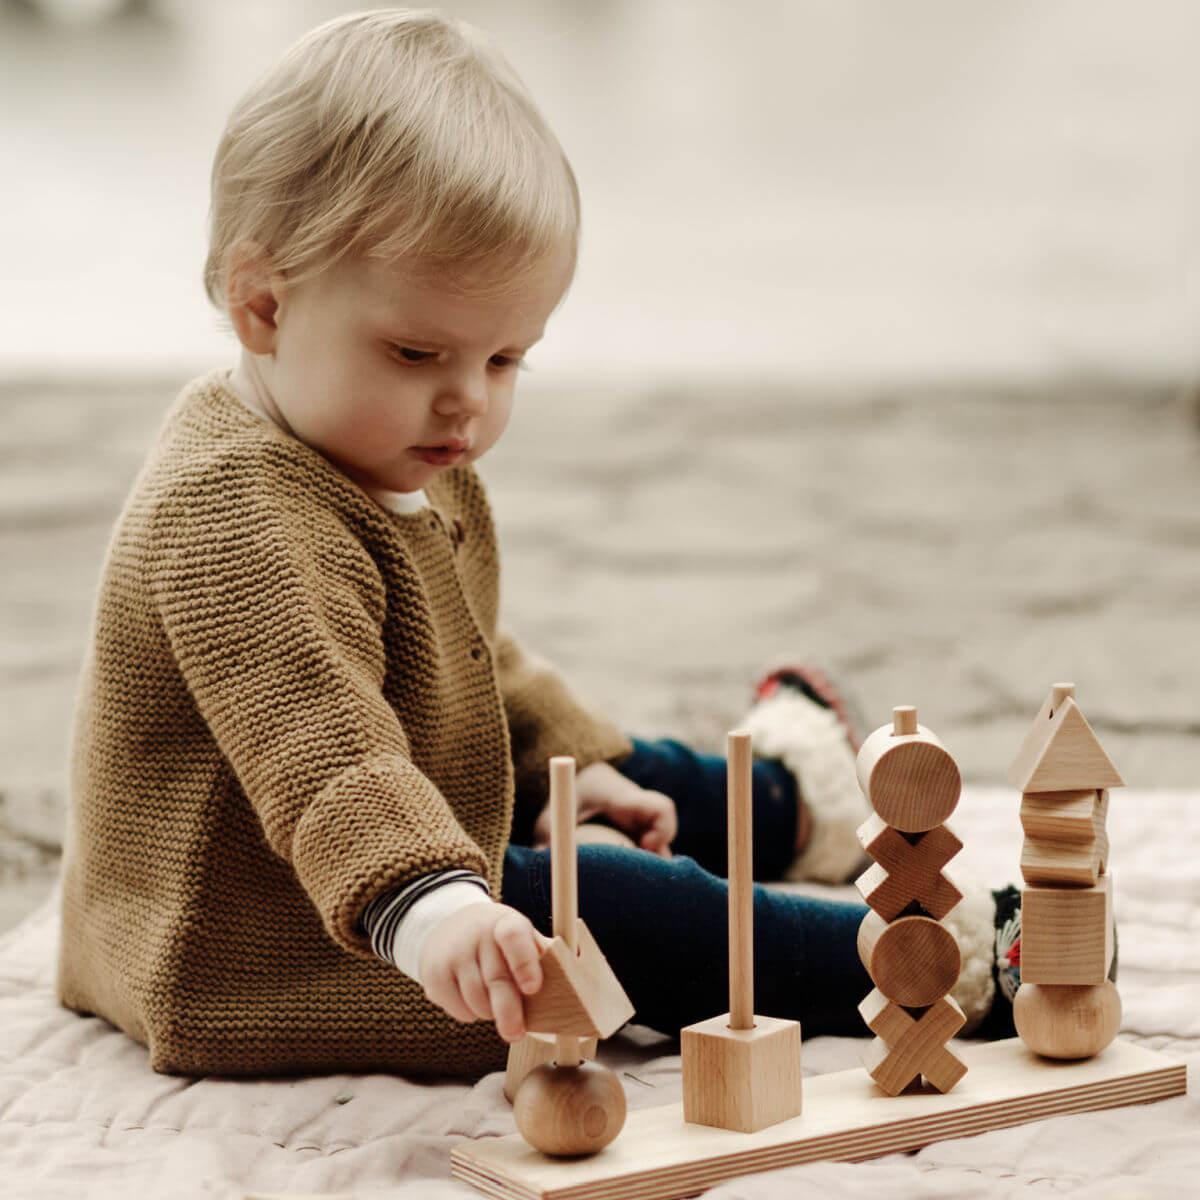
[[580, 994], [1060, 752]]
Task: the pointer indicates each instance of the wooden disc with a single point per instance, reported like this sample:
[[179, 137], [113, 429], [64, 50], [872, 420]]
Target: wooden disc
[[1067, 1021], [570, 1110], [913, 961], [911, 780]]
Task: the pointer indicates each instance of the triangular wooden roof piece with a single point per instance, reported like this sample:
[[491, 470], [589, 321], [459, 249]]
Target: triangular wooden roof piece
[[1060, 752]]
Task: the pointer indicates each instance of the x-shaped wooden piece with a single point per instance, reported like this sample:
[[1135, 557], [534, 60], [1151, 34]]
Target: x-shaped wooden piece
[[907, 871], [908, 1047]]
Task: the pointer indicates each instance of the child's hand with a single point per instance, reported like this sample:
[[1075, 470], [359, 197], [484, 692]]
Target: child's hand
[[479, 960], [648, 817]]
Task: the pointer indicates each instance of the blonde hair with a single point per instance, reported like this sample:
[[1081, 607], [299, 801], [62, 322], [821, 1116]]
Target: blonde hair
[[398, 133]]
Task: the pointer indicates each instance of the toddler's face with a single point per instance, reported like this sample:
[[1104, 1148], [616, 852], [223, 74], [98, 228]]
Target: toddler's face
[[372, 366]]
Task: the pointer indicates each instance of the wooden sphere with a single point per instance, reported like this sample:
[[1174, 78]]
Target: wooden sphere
[[1067, 1021], [913, 961], [570, 1110], [910, 779]]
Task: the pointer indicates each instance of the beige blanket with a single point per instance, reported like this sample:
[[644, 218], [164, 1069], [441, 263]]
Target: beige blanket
[[81, 1114]]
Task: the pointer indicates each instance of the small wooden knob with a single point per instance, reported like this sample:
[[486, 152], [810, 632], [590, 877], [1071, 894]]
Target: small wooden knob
[[564, 1111], [904, 719], [1067, 1021], [1059, 693]]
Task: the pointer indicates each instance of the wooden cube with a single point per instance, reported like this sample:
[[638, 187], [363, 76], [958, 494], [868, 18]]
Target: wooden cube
[[743, 1079], [1067, 933]]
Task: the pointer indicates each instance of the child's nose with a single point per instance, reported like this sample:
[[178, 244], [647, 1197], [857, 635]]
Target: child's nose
[[464, 394]]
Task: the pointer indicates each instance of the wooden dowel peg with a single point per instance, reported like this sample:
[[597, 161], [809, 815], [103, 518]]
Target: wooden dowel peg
[[564, 882], [741, 881]]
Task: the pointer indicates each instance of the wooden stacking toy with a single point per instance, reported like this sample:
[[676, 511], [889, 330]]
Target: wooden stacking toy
[[741, 1071], [741, 1111], [570, 1106], [1066, 1006], [912, 958]]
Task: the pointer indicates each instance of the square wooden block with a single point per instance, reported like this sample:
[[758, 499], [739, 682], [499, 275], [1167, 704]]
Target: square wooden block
[[743, 1079], [1067, 933]]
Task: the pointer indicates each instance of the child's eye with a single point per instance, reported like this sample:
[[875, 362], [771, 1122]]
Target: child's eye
[[504, 363], [413, 356]]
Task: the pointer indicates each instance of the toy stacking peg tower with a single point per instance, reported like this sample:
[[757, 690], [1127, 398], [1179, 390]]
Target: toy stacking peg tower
[[741, 1071], [913, 785], [571, 1106], [1066, 1006]]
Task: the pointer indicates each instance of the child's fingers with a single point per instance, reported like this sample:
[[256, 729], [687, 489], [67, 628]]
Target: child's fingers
[[507, 1010], [474, 991], [517, 940], [442, 990]]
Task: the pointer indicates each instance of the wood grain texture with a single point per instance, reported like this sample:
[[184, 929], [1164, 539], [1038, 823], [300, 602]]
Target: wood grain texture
[[1060, 753], [533, 1050], [660, 1157], [742, 1079], [913, 961], [911, 780], [910, 1046], [1067, 1022], [1067, 933], [907, 871], [569, 1110], [739, 766], [1066, 837], [580, 995]]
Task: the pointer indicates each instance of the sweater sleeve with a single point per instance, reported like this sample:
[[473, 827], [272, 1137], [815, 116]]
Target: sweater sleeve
[[545, 718], [273, 610]]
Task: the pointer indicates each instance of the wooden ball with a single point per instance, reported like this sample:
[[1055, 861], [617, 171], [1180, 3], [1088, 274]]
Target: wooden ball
[[1067, 1021], [570, 1110]]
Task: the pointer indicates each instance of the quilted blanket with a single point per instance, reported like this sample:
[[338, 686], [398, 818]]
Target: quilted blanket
[[82, 1115]]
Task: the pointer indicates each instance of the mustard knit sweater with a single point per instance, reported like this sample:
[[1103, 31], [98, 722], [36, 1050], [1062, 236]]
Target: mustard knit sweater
[[291, 701]]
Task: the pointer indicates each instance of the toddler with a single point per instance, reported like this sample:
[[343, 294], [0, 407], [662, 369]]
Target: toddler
[[308, 764]]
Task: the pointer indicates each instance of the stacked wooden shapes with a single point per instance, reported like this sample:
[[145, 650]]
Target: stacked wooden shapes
[[565, 1104], [913, 960], [741, 1071], [1066, 1006]]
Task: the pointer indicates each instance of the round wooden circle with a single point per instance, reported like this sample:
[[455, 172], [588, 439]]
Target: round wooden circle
[[570, 1110], [914, 785], [913, 960]]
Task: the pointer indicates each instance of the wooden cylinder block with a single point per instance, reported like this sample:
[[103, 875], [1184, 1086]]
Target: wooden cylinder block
[[913, 961], [1067, 1021], [910, 779], [570, 1110]]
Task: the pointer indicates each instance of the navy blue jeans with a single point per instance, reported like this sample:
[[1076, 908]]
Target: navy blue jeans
[[663, 923]]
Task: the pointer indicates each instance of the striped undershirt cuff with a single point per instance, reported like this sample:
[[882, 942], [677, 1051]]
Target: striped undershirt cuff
[[382, 917]]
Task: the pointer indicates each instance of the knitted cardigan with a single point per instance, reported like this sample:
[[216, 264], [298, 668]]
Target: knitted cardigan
[[291, 701]]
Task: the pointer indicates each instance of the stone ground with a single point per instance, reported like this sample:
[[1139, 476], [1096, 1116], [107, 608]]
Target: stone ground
[[956, 548]]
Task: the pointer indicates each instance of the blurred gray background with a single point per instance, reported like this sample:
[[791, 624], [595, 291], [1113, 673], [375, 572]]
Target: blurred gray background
[[881, 355]]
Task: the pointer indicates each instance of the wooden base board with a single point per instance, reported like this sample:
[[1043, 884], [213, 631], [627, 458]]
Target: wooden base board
[[659, 1157]]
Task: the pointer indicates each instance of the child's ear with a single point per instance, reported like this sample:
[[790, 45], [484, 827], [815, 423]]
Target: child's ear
[[251, 295]]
